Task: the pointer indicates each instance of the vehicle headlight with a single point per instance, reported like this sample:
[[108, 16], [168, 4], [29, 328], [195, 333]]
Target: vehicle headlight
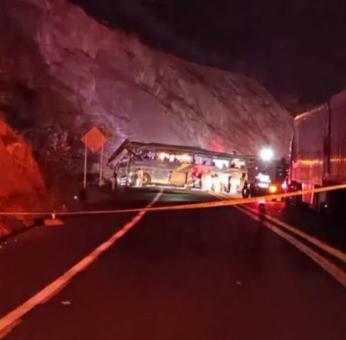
[[273, 189]]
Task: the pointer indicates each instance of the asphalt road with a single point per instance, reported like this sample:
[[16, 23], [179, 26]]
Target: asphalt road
[[197, 274]]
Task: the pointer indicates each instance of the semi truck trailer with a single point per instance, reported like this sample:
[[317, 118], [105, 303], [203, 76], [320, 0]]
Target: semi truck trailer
[[318, 153]]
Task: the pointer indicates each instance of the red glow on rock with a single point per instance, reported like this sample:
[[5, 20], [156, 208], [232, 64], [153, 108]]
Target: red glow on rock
[[216, 144]]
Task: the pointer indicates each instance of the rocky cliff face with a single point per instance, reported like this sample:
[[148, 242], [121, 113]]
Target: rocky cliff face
[[61, 73], [21, 183], [19, 172]]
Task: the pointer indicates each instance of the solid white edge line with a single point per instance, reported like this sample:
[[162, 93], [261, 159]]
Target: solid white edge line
[[13, 318], [338, 254], [318, 243], [337, 273]]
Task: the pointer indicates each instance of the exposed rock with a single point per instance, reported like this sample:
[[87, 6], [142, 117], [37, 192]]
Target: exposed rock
[[62, 73], [21, 184], [19, 172]]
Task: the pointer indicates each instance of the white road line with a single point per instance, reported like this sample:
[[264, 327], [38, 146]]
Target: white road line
[[13, 318], [318, 243], [340, 255], [329, 267]]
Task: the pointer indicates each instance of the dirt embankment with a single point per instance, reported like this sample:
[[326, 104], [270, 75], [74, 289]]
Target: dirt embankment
[[21, 183]]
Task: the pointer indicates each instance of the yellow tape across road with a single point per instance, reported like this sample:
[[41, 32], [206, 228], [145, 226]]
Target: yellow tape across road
[[222, 203]]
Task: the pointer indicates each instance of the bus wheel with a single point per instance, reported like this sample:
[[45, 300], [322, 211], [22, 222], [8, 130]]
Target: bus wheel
[[146, 179]]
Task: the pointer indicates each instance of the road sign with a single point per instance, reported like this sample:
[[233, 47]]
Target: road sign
[[94, 139]]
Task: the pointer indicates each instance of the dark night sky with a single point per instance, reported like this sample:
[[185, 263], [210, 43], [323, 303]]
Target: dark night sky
[[296, 48]]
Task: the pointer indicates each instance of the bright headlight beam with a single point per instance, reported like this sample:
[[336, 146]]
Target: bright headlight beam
[[266, 154]]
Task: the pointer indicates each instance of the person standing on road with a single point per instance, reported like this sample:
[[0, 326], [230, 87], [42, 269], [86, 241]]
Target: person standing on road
[[114, 181], [140, 177]]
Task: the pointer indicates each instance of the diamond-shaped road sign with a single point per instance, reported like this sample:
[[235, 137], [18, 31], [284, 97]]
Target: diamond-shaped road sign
[[94, 139]]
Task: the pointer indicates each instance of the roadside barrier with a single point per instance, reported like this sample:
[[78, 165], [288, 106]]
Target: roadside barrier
[[189, 206]]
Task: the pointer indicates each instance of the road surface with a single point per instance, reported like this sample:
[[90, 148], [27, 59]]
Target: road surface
[[213, 274]]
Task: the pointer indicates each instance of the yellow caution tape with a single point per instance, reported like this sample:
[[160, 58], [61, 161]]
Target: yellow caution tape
[[203, 205]]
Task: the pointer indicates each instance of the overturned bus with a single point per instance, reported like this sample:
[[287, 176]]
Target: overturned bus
[[151, 164]]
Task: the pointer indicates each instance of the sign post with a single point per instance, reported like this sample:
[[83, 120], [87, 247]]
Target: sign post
[[101, 167], [94, 140], [85, 166]]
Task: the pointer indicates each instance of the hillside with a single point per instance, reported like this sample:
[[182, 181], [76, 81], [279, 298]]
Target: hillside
[[62, 73]]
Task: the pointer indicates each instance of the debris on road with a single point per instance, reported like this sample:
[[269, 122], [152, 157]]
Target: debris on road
[[66, 303]]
